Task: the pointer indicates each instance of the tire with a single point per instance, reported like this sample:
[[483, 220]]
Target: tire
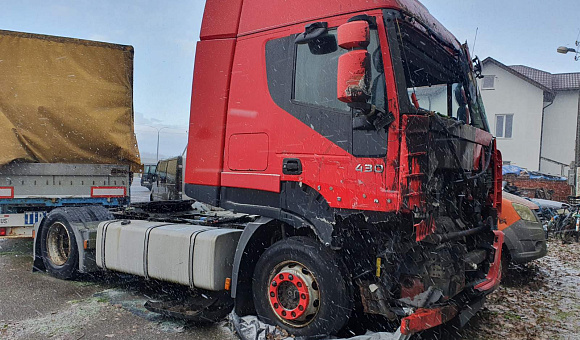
[[567, 232], [299, 286], [58, 246], [567, 236], [59, 260]]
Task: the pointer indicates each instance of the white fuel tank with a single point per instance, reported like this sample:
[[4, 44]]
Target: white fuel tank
[[193, 255]]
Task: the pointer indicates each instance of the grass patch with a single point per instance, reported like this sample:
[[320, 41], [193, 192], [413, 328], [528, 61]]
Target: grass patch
[[564, 315], [511, 316]]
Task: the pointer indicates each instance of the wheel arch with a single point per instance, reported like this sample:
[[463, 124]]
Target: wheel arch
[[255, 239]]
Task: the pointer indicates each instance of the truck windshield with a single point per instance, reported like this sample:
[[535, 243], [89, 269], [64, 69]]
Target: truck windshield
[[436, 79]]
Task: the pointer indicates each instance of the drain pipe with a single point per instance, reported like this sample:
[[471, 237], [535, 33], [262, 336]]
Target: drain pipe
[[577, 150], [542, 131]]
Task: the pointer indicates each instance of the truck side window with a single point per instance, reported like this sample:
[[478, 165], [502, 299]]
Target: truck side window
[[312, 96], [316, 72]]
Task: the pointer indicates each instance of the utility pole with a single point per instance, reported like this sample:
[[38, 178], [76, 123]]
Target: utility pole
[[577, 152], [158, 131], [576, 51]]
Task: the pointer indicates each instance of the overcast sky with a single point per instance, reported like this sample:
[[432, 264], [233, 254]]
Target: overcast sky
[[164, 33]]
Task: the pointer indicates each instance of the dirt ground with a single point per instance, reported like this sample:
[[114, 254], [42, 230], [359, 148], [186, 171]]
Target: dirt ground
[[538, 301]]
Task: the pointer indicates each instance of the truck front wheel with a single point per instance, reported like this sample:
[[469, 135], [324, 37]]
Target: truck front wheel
[[299, 285], [59, 249]]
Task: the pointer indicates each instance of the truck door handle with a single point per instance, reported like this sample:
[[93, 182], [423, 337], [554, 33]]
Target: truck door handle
[[291, 166]]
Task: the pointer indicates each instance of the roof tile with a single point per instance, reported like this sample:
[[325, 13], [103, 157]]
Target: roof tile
[[559, 81]]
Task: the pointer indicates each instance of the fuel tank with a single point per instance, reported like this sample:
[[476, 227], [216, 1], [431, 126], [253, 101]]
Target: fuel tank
[[193, 255]]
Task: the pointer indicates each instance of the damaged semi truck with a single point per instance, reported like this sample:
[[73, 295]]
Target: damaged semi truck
[[348, 147]]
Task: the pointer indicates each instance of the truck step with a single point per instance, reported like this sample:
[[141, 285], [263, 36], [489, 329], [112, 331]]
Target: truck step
[[202, 308]]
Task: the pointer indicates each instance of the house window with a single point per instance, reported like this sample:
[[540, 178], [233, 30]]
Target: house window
[[488, 82], [504, 125]]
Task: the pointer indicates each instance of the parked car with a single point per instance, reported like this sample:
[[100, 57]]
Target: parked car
[[148, 173], [524, 239], [167, 182]]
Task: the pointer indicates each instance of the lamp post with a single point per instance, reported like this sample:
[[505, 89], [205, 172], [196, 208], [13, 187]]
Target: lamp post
[[576, 51], [158, 132]]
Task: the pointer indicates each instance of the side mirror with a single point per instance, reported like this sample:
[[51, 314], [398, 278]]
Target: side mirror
[[477, 69], [354, 67]]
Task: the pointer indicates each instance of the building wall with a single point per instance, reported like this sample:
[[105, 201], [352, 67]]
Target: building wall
[[513, 95], [560, 132], [533, 188]]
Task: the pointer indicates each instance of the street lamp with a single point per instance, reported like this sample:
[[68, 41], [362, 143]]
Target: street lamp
[[564, 50], [158, 131]]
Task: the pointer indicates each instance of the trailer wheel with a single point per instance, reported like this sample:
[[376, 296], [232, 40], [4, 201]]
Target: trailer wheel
[[59, 248], [299, 285]]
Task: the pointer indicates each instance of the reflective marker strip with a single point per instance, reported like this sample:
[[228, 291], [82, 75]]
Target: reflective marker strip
[[6, 192], [108, 191]]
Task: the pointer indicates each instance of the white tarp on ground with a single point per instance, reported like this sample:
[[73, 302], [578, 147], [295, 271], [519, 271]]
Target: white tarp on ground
[[250, 328]]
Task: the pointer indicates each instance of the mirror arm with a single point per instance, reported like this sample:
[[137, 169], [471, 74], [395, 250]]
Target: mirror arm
[[372, 21], [311, 32], [369, 117]]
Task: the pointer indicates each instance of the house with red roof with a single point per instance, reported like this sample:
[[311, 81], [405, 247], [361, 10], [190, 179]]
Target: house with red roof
[[534, 115]]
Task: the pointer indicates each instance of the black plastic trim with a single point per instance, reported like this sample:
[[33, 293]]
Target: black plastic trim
[[203, 193]]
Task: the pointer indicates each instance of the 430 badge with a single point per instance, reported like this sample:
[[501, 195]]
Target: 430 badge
[[378, 168]]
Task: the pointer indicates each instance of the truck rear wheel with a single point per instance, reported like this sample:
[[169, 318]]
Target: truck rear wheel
[[299, 286], [59, 248]]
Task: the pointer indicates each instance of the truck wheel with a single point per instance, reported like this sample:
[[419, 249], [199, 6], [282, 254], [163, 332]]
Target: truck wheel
[[299, 286], [59, 248]]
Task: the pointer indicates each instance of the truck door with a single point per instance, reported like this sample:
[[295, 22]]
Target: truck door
[[304, 134]]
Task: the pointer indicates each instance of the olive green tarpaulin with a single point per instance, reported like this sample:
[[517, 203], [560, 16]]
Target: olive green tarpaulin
[[66, 100]]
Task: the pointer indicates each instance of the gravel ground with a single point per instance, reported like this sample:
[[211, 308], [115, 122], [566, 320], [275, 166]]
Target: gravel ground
[[540, 300], [37, 306]]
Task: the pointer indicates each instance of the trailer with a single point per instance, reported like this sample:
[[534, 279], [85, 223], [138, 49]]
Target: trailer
[[347, 155], [66, 116], [30, 190]]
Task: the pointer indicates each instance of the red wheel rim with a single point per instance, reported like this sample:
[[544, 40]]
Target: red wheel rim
[[293, 294], [282, 308]]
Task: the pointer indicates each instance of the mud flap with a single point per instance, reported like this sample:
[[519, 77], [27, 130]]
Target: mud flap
[[468, 312], [202, 308]]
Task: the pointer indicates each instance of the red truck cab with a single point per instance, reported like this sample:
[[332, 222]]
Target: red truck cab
[[356, 130]]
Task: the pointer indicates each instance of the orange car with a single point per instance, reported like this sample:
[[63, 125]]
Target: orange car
[[524, 238]]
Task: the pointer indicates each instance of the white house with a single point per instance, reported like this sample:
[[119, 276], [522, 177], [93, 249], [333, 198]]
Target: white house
[[534, 115]]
